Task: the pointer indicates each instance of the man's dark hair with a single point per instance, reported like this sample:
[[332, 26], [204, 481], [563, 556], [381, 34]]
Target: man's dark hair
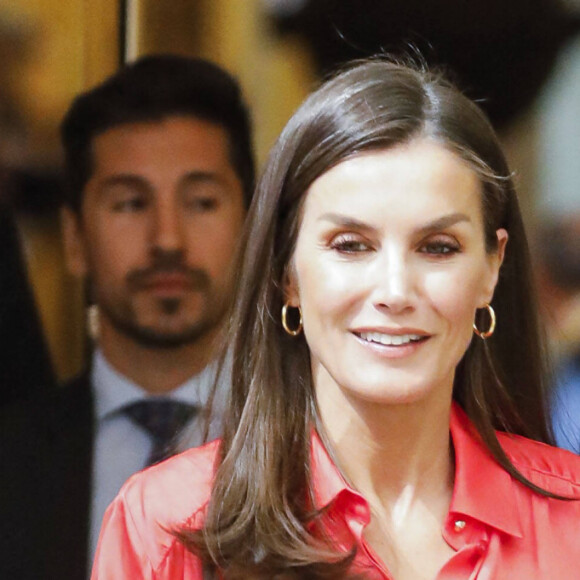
[[150, 90]]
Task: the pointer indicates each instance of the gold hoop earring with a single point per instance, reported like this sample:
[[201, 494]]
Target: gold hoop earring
[[291, 331], [491, 328]]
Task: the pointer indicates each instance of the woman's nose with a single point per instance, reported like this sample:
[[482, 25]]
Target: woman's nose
[[393, 282]]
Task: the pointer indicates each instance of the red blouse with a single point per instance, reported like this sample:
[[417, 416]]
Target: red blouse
[[499, 528]]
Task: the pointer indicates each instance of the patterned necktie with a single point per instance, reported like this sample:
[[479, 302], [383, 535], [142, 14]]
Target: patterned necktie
[[163, 419]]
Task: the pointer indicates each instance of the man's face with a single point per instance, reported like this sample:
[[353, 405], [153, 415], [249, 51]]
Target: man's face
[[159, 225]]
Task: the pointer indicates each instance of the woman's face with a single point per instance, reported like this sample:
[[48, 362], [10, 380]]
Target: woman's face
[[389, 268]]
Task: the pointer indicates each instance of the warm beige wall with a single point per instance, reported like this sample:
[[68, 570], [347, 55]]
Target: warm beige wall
[[69, 45], [275, 74]]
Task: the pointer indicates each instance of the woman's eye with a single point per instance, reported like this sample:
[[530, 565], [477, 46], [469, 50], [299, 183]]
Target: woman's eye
[[349, 246], [440, 248]]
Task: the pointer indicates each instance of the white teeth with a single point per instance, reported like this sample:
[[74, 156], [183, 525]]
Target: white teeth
[[389, 339]]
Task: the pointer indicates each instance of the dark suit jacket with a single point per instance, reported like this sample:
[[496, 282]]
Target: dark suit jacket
[[46, 447], [25, 367]]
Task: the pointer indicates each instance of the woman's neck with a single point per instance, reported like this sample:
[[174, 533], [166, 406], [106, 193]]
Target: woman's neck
[[399, 457], [392, 453]]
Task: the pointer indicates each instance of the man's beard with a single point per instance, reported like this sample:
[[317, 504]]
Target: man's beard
[[123, 316], [149, 337]]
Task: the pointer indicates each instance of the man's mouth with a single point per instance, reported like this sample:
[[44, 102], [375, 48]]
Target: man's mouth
[[168, 281], [176, 280]]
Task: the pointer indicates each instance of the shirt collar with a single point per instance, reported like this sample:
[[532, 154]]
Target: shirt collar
[[114, 391], [483, 490], [327, 479]]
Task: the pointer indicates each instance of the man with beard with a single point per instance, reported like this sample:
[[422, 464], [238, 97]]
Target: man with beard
[[160, 172]]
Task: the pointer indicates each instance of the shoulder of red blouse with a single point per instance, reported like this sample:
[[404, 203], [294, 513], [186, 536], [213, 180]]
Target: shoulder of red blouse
[[170, 496], [550, 468], [173, 495]]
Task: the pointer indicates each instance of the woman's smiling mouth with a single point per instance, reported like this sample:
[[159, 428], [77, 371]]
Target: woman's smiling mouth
[[390, 339], [399, 342]]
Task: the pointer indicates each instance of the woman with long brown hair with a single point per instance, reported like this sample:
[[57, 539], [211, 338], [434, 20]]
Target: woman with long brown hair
[[387, 415]]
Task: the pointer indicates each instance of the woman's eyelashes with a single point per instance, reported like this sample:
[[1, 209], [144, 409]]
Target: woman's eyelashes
[[351, 244], [440, 247]]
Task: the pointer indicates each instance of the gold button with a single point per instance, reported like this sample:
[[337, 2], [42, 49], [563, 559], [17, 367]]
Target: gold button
[[459, 525]]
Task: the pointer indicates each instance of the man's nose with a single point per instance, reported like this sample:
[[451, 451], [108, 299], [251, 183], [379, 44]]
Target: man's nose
[[167, 227]]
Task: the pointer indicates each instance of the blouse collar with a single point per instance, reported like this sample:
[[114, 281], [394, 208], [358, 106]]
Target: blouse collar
[[483, 491]]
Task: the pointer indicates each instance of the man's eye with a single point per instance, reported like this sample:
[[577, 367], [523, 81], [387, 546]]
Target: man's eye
[[131, 204], [202, 203]]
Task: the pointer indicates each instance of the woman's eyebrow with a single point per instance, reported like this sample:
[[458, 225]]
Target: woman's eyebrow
[[345, 221], [437, 224], [443, 222]]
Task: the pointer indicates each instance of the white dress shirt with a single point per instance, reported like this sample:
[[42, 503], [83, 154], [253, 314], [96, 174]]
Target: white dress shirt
[[121, 447]]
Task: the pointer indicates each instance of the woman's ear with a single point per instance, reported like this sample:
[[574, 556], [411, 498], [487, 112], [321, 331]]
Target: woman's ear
[[290, 285], [502, 240], [495, 260]]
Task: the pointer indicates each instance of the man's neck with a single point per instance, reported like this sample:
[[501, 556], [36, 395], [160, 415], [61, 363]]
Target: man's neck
[[156, 370]]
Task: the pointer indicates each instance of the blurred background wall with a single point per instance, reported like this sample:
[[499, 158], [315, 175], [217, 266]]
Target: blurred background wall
[[48, 52], [519, 58]]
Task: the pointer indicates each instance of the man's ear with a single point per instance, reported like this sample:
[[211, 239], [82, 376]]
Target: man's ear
[[73, 242]]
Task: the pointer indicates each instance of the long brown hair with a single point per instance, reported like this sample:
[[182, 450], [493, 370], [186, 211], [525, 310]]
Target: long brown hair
[[257, 518]]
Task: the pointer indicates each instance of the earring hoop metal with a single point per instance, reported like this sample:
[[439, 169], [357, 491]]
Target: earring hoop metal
[[291, 331], [486, 334]]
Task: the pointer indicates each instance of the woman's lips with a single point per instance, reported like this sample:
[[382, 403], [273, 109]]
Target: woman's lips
[[394, 344]]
